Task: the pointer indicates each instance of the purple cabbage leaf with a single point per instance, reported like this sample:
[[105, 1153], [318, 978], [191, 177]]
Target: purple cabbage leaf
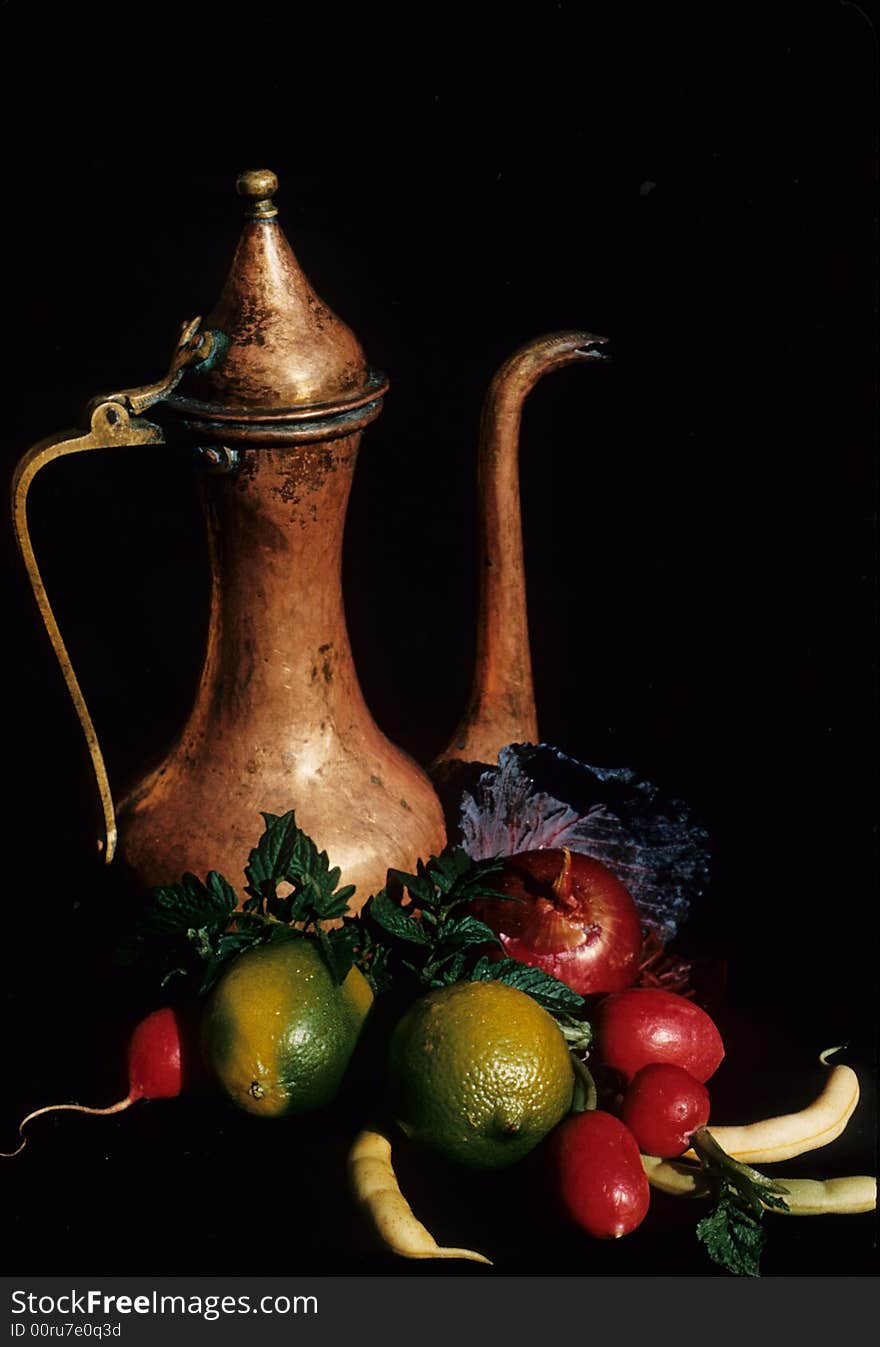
[[538, 797]]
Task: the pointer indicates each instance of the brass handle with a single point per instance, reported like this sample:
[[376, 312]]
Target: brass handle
[[112, 425]]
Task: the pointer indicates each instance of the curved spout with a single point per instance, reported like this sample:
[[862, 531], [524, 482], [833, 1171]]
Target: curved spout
[[501, 707]]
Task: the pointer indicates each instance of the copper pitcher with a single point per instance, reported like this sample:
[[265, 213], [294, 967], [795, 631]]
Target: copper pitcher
[[273, 392]]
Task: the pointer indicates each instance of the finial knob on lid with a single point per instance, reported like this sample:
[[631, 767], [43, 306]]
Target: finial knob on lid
[[286, 350], [258, 185]]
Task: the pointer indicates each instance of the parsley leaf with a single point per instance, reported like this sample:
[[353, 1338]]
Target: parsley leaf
[[733, 1235]]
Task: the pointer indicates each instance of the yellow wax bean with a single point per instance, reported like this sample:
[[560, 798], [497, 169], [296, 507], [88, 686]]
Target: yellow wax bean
[[376, 1189]]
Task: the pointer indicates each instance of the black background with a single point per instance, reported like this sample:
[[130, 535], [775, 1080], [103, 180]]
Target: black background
[[694, 181]]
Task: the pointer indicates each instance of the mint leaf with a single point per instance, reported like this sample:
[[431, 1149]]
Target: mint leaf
[[268, 861], [337, 947], [455, 938], [315, 896], [175, 909], [373, 958], [221, 890], [433, 939], [287, 855], [555, 996], [733, 1235], [185, 927], [468, 930], [460, 879], [420, 887], [442, 973], [177, 926], [446, 881], [548, 991], [396, 920], [450, 868]]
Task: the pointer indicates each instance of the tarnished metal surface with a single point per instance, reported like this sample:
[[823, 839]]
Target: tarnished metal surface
[[286, 348], [196, 347], [501, 707], [280, 721], [275, 396]]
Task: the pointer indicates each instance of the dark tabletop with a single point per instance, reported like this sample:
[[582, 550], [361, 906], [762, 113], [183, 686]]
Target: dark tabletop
[[695, 182]]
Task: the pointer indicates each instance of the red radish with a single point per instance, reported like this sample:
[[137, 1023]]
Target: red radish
[[663, 1107], [154, 1069], [598, 1174], [574, 919], [644, 1025], [154, 1057]]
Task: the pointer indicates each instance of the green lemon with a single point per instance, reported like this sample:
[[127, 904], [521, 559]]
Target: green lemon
[[479, 1073], [278, 1033]]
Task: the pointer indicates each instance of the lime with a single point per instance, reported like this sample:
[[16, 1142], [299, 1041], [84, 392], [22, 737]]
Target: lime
[[278, 1033], [479, 1073]]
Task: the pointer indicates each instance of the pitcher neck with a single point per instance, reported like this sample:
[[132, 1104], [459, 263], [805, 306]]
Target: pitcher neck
[[277, 633]]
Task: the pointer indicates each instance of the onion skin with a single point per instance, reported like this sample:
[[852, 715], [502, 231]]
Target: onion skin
[[575, 920]]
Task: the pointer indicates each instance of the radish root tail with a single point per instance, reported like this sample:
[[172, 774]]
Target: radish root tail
[[60, 1108]]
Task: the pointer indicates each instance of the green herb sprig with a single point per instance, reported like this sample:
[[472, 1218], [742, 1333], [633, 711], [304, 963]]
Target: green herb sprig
[[420, 929], [733, 1233], [192, 929]]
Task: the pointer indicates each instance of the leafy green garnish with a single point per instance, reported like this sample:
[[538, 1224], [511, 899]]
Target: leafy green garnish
[[422, 930], [180, 927], [419, 931], [285, 854], [194, 928], [199, 910], [397, 921], [733, 1233], [548, 991], [422, 920]]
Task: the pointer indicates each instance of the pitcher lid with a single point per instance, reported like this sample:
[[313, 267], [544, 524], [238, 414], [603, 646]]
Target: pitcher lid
[[287, 351]]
